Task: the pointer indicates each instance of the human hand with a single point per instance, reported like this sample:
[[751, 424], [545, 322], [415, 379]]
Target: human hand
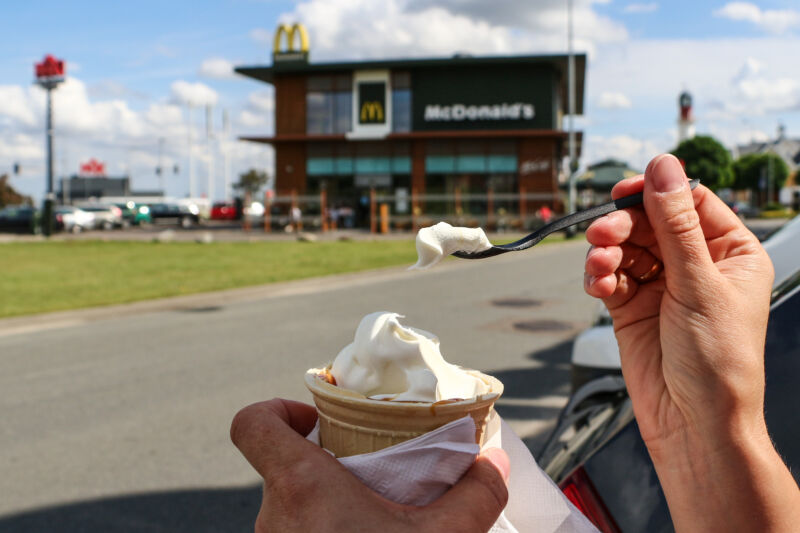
[[307, 489], [691, 342]]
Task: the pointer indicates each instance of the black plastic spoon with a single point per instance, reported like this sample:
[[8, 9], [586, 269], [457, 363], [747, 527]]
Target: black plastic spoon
[[557, 225]]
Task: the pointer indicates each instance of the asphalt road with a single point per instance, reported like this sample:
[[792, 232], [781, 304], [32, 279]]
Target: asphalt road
[[119, 421]]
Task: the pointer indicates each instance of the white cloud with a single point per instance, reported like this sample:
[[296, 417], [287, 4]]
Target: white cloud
[[195, 94], [403, 28], [250, 119], [21, 148], [774, 21], [635, 152], [261, 36], [613, 100], [763, 93], [641, 8], [15, 104], [217, 68], [261, 101]]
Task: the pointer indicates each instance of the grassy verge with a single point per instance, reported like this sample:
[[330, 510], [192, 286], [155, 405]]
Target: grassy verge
[[39, 277], [51, 276]]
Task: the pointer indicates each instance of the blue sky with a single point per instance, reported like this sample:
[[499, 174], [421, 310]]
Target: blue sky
[[134, 67]]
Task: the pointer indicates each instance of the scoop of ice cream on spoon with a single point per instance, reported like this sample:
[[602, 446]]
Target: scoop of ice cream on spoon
[[436, 242]]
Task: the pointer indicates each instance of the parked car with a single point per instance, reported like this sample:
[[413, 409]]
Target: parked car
[[20, 219], [595, 352], [183, 215], [134, 214], [73, 219], [223, 211], [744, 210], [106, 216], [596, 453]]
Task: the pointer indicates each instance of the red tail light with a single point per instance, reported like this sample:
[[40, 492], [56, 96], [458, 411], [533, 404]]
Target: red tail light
[[579, 490]]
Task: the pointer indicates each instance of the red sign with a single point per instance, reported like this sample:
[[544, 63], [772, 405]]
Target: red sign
[[50, 68], [93, 167]]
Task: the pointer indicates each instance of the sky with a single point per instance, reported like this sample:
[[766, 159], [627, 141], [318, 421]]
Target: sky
[[140, 72]]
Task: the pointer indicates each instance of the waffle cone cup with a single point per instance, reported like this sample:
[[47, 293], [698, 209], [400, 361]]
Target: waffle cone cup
[[352, 424]]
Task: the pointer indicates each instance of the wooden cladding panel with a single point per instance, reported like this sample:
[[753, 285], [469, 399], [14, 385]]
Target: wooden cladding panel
[[290, 169], [290, 105]]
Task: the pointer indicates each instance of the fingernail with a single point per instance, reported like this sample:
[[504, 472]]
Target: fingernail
[[500, 461], [667, 174]]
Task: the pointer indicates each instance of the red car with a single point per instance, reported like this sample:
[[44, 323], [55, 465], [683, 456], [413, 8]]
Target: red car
[[223, 211]]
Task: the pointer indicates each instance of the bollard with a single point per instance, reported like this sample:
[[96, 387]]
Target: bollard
[[384, 218], [372, 221], [323, 210]]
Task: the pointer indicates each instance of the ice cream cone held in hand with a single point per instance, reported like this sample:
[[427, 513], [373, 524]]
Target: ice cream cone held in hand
[[391, 384]]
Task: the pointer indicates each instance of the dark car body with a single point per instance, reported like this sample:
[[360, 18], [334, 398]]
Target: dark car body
[[173, 214], [19, 219], [597, 455]]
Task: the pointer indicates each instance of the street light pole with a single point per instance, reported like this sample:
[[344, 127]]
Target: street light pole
[[49, 73], [573, 159]]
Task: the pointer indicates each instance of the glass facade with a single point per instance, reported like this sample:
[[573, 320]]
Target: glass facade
[[329, 105], [401, 102]]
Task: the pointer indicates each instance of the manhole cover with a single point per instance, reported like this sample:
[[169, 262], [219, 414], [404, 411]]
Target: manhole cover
[[208, 309], [517, 302], [542, 325]]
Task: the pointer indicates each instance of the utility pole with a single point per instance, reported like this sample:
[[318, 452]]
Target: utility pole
[[160, 168], [49, 73], [226, 159], [191, 153], [210, 147], [573, 160]]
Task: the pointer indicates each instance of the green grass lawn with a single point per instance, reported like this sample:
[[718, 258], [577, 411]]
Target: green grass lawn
[[50, 276], [37, 277]]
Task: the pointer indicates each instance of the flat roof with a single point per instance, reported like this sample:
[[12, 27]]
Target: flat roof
[[267, 73]]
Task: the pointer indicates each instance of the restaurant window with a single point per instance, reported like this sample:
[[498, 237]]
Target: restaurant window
[[401, 102], [329, 101]]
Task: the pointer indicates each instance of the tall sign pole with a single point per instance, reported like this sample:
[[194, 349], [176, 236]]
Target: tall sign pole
[[49, 73], [573, 160]]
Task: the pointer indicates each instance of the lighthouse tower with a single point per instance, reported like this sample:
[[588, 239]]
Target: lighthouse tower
[[685, 119]]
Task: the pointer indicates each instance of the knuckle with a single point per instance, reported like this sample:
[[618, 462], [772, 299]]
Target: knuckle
[[241, 424], [493, 483], [682, 222]]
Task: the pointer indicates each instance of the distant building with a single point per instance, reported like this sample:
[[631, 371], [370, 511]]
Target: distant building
[[685, 117], [83, 188], [785, 148], [596, 182], [426, 126]]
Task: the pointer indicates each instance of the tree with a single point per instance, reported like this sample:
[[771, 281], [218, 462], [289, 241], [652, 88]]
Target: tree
[[751, 169], [251, 181], [707, 160], [9, 195], [754, 171]]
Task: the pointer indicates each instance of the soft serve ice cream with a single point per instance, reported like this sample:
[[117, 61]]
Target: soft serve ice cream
[[436, 242], [387, 360]]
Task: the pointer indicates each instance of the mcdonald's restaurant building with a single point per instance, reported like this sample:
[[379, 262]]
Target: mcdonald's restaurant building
[[418, 128]]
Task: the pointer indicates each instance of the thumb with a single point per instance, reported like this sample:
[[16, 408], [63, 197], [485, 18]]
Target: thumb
[[670, 209], [477, 499]]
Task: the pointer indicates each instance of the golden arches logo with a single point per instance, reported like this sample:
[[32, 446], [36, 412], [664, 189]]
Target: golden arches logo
[[371, 112], [290, 32]]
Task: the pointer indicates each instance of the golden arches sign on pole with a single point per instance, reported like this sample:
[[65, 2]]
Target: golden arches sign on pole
[[290, 32]]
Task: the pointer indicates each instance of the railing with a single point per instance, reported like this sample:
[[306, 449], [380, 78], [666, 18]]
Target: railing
[[490, 210]]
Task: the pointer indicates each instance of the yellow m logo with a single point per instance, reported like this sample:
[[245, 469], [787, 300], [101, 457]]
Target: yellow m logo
[[371, 112], [290, 32]]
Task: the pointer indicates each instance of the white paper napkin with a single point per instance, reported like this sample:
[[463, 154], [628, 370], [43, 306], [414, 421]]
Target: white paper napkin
[[418, 471]]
